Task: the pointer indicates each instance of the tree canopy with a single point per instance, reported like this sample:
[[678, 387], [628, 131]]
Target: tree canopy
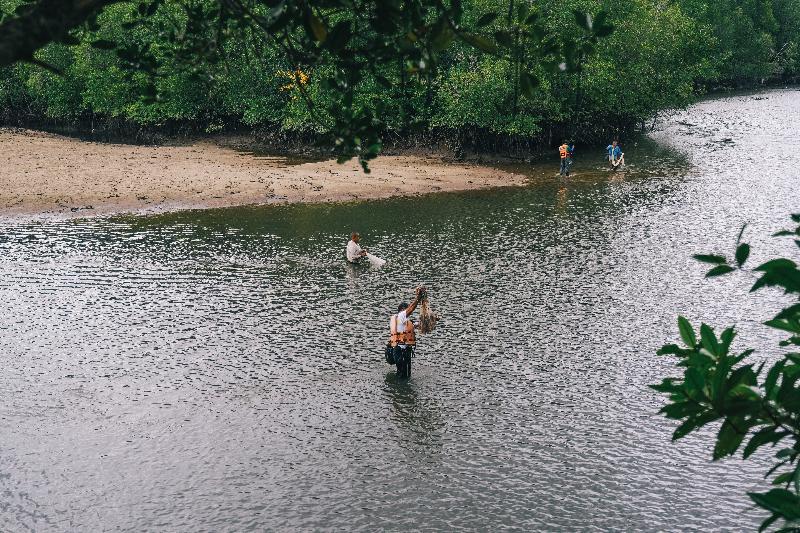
[[354, 72]]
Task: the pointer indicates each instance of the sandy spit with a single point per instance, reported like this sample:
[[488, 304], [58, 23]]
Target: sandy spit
[[43, 173]]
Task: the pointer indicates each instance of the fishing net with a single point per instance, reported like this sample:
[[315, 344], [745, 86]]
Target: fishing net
[[427, 318]]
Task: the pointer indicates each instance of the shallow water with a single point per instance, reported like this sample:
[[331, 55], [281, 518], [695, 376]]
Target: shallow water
[[222, 370]]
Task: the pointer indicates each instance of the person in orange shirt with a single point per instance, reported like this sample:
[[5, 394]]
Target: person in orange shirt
[[566, 152]]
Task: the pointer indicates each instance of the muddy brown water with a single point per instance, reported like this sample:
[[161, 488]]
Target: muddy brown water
[[222, 370]]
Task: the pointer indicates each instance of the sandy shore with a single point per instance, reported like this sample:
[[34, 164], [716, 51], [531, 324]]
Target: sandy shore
[[43, 173]]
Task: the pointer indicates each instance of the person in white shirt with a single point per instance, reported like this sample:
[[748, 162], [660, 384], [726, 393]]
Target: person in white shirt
[[354, 250], [403, 339]]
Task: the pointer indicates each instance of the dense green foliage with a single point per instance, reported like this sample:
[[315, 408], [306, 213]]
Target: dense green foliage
[[760, 402], [661, 54]]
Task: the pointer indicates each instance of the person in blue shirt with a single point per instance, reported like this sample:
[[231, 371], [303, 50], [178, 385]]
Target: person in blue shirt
[[615, 155]]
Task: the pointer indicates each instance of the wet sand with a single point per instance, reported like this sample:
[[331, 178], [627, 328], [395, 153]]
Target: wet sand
[[44, 173]]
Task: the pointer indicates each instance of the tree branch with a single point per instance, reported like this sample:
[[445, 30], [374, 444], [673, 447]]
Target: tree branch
[[44, 22], [46, 66]]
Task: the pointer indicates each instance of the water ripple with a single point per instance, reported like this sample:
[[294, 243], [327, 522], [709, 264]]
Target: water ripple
[[222, 370]]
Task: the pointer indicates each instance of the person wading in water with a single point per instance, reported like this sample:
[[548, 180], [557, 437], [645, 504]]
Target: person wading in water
[[565, 151], [615, 155], [402, 339], [354, 250]]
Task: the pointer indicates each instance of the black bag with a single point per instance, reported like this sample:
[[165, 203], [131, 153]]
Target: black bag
[[389, 353]]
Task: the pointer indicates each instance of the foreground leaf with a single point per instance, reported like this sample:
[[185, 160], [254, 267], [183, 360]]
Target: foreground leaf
[[719, 271], [729, 438], [742, 253], [480, 42], [769, 435], [687, 333], [713, 259], [779, 501]]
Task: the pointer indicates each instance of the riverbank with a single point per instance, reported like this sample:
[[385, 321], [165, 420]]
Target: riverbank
[[45, 173]]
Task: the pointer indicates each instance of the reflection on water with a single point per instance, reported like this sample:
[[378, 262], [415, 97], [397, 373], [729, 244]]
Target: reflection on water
[[223, 370], [416, 416]]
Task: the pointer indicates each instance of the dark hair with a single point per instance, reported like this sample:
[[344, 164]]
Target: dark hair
[[402, 306]]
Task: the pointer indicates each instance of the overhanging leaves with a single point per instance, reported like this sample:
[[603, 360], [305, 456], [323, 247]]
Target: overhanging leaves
[[686, 331], [780, 501], [729, 438], [717, 384]]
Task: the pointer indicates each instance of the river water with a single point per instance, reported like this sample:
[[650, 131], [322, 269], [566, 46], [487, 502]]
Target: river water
[[222, 370]]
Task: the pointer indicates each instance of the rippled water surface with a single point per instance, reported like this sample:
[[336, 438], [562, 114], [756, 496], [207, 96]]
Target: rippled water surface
[[222, 370]]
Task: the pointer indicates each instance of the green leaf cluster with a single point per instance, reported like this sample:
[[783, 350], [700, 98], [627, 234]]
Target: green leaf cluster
[[755, 406]]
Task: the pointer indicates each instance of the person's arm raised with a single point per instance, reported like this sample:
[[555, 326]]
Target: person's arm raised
[[410, 309]]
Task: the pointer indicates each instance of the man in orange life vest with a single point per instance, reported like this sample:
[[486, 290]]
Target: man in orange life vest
[[565, 151], [402, 337]]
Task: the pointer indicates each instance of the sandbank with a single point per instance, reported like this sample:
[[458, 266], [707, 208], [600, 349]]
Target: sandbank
[[45, 173]]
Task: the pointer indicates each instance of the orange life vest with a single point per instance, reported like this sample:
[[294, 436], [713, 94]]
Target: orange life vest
[[407, 337], [563, 150]]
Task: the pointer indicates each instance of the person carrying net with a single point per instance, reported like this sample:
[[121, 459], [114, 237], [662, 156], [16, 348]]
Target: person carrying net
[[402, 337]]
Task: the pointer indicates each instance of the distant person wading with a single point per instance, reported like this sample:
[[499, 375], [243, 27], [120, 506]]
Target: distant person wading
[[354, 251], [616, 157], [566, 151]]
